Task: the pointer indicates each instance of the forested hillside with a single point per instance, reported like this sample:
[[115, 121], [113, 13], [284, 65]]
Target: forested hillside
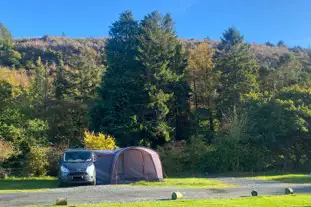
[[205, 105]]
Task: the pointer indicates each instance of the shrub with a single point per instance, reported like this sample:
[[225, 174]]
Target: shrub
[[6, 150], [99, 141], [54, 155], [37, 161], [172, 156], [195, 155]]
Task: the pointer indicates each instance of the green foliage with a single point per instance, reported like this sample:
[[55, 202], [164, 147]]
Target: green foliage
[[137, 90], [209, 106], [39, 85], [157, 49], [238, 70], [120, 98], [172, 156], [74, 91], [37, 161], [8, 56]]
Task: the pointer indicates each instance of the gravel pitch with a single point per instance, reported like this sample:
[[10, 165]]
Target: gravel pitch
[[122, 194]]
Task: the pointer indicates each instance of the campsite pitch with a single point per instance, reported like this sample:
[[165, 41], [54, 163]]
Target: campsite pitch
[[186, 183], [137, 193], [27, 184], [267, 201], [288, 178]]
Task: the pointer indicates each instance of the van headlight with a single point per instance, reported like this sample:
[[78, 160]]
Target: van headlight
[[64, 170], [90, 169]]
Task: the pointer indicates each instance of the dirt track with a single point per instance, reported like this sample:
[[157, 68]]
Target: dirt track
[[112, 193]]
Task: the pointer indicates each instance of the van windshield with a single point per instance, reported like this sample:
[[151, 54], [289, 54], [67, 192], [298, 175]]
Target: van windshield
[[78, 157]]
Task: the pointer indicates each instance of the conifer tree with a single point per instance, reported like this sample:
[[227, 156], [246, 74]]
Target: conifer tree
[[117, 110], [238, 69], [157, 48]]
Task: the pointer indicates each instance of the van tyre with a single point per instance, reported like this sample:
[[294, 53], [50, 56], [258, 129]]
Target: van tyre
[[60, 184], [94, 182]]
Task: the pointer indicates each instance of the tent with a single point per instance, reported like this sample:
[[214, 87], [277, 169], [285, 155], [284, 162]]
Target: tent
[[127, 165]]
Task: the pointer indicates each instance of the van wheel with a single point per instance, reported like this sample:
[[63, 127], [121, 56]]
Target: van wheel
[[94, 182], [60, 184]]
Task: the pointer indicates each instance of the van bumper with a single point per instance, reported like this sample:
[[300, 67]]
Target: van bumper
[[77, 178]]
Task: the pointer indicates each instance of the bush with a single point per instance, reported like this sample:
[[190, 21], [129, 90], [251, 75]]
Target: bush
[[54, 155], [99, 141], [195, 155], [6, 150], [172, 156], [37, 163]]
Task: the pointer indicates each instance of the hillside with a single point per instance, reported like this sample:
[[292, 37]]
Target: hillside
[[49, 46]]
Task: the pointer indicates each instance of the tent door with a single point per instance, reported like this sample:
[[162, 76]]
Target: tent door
[[133, 165]]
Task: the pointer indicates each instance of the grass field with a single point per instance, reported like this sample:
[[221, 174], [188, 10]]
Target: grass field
[[35, 184], [26, 184], [288, 178], [186, 183], [266, 201]]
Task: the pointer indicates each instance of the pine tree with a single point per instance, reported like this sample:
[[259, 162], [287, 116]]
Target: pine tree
[[61, 84], [40, 85], [238, 69], [120, 98], [74, 90], [157, 48], [179, 114]]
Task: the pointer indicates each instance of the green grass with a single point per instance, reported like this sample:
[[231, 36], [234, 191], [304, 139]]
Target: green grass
[[186, 183], [266, 201], [288, 178], [26, 184]]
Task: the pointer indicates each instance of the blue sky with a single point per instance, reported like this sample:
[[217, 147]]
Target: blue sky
[[258, 20]]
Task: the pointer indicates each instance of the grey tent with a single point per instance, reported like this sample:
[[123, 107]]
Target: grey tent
[[127, 165]]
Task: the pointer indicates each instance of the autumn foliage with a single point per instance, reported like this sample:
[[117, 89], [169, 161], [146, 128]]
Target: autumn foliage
[[99, 141]]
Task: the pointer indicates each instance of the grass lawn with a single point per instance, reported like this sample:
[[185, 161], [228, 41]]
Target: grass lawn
[[186, 183], [266, 201], [26, 184], [288, 178]]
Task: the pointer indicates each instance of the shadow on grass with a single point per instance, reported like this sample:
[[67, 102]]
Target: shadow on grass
[[27, 184]]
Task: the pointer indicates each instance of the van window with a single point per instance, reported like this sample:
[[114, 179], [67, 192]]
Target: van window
[[78, 157]]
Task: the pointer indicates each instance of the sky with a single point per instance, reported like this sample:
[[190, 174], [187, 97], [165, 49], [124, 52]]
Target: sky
[[258, 20]]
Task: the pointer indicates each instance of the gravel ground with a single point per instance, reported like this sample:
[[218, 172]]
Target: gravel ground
[[112, 193]]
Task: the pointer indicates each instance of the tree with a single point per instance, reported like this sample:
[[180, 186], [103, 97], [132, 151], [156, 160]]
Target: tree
[[120, 98], [269, 44], [283, 72], [238, 69], [40, 86], [157, 49], [74, 92], [8, 56], [179, 116], [281, 43], [281, 124], [203, 81]]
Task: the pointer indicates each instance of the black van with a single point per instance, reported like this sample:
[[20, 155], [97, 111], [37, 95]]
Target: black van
[[77, 167]]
